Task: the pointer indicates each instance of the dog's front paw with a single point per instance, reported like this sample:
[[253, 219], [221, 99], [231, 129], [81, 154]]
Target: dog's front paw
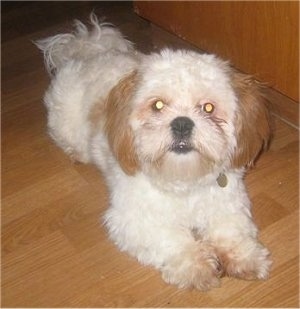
[[247, 262], [198, 267]]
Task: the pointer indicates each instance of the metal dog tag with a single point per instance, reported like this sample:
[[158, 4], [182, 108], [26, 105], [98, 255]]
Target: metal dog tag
[[222, 180]]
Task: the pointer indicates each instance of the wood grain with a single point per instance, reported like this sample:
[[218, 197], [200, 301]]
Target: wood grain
[[55, 251]]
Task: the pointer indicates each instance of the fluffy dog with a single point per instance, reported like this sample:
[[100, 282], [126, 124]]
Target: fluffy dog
[[172, 133]]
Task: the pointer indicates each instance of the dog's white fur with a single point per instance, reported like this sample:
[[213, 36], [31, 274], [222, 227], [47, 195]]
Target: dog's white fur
[[166, 206]]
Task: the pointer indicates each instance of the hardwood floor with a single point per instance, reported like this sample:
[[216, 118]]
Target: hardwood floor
[[55, 252]]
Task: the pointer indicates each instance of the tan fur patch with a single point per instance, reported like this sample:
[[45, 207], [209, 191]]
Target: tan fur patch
[[253, 124], [237, 268], [119, 133]]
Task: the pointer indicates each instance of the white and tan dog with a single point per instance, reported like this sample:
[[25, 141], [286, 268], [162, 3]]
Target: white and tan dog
[[172, 132]]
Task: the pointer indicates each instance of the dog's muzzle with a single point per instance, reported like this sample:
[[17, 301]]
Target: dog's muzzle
[[182, 128]]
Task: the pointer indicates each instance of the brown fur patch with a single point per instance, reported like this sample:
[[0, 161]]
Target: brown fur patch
[[237, 268], [253, 124], [119, 133]]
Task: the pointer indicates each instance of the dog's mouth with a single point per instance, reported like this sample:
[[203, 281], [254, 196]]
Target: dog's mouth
[[181, 147]]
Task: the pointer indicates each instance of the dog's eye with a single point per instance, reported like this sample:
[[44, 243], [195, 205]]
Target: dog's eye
[[208, 107], [158, 105]]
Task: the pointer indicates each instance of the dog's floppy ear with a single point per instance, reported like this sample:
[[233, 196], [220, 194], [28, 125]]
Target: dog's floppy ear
[[119, 133], [253, 122]]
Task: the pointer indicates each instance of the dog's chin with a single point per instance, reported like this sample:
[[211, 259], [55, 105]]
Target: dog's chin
[[181, 163]]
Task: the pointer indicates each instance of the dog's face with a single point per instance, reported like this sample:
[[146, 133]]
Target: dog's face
[[181, 115]]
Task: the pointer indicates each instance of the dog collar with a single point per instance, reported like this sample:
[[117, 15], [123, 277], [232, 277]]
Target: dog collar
[[222, 180]]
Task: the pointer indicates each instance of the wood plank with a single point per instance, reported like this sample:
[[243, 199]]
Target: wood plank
[[37, 275]]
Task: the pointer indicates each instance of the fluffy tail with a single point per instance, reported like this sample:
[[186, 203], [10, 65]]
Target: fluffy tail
[[81, 44]]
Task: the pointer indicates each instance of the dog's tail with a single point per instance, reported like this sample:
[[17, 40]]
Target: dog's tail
[[82, 43]]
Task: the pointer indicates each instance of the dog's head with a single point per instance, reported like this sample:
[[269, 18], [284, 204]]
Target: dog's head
[[183, 115]]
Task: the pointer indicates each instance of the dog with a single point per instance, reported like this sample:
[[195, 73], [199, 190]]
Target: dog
[[173, 133]]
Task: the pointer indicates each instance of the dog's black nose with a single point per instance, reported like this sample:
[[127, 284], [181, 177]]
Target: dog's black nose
[[182, 127]]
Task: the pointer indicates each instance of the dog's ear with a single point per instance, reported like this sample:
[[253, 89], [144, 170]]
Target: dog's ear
[[253, 122], [119, 133]]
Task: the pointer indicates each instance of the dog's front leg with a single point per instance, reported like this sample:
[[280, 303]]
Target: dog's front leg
[[172, 249], [240, 252], [194, 265]]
